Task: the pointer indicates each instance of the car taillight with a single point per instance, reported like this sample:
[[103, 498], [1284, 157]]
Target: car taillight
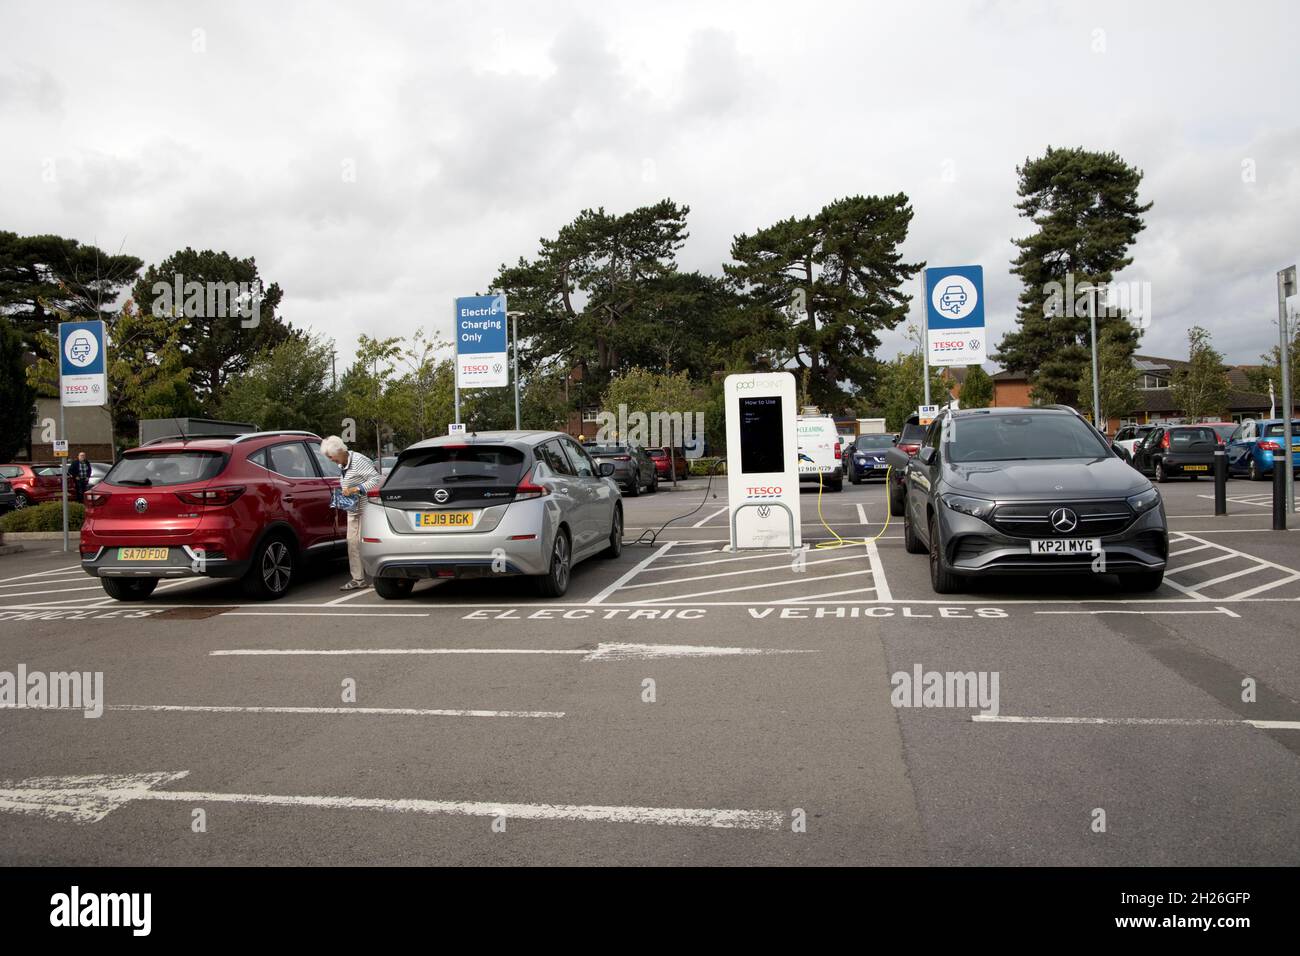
[[837, 450], [1269, 446], [214, 497], [93, 499], [909, 448], [528, 489], [372, 492]]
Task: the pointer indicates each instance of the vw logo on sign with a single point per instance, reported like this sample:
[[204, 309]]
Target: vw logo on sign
[[1063, 520], [141, 505], [441, 495]]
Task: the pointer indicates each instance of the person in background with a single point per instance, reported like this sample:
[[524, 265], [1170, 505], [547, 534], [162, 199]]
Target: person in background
[[359, 476], [79, 473]]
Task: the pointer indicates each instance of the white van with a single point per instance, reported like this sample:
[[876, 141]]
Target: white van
[[819, 451]]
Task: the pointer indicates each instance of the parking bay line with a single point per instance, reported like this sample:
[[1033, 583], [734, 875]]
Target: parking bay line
[[88, 799], [1141, 721], [332, 711], [604, 651], [631, 573], [1216, 610], [784, 563]]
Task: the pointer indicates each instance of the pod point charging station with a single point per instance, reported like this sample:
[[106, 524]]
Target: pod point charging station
[[762, 461]]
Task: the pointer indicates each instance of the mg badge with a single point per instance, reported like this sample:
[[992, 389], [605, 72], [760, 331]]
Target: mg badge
[[141, 505]]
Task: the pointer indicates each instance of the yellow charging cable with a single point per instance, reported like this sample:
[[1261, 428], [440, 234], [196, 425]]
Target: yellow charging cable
[[850, 542]]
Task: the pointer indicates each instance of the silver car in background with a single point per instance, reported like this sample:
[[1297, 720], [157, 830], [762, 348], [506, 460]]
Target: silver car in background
[[492, 503]]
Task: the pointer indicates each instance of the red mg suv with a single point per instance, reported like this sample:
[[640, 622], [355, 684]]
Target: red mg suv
[[252, 507]]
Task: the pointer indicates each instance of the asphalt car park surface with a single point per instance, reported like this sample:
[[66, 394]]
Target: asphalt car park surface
[[681, 704]]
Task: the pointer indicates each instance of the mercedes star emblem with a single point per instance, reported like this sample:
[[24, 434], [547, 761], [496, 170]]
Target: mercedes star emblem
[[1064, 520]]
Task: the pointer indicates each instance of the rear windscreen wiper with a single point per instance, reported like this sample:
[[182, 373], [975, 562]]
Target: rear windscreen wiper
[[469, 478], [133, 481]]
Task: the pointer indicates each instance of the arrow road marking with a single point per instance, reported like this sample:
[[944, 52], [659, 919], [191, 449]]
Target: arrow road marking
[[88, 799]]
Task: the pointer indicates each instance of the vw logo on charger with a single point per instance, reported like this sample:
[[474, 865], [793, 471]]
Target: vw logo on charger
[[1063, 520]]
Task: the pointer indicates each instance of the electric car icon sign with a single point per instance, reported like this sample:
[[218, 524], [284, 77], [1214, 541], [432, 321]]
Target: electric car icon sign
[[80, 349], [953, 298]]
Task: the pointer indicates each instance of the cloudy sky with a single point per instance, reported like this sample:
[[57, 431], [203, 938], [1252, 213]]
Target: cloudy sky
[[378, 159]]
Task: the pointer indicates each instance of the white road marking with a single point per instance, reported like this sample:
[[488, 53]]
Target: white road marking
[[1202, 585], [878, 573], [383, 651], [326, 614], [1141, 721], [1179, 554], [37, 574], [1217, 610], [331, 711], [862, 515], [819, 597], [26, 584], [641, 652], [1199, 564], [679, 598], [605, 651], [671, 565], [784, 565], [350, 597], [87, 799], [703, 521], [1243, 595], [633, 572]]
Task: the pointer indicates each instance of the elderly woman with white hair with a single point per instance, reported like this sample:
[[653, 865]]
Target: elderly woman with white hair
[[359, 476]]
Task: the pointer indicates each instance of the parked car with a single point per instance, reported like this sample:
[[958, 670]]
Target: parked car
[[33, 484], [910, 440], [1251, 446], [252, 507], [820, 449], [385, 464], [1018, 491], [1177, 451], [865, 457], [634, 469], [98, 469], [509, 503], [1130, 436], [1222, 430], [7, 496], [668, 459]]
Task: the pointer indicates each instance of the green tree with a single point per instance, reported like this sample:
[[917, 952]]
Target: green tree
[[1200, 388], [220, 343], [1085, 208], [370, 401], [901, 388], [977, 389], [43, 277], [286, 386], [1270, 372], [588, 296], [836, 278], [1117, 378], [17, 397]]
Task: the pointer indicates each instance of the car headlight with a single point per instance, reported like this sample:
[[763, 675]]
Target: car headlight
[[1144, 501], [975, 507]]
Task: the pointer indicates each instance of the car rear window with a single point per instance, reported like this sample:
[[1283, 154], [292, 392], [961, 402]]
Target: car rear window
[[152, 469], [449, 464], [607, 450], [1187, 439], [1028, 437], [1275, 430], [873, 443], [912, 435], [658, 453]]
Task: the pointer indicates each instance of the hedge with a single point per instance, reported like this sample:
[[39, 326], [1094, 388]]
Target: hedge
[[44, 517]]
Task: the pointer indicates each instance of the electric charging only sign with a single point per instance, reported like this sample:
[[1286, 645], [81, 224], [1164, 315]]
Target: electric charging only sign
[[82, 379], [480, 329], [954, 313]]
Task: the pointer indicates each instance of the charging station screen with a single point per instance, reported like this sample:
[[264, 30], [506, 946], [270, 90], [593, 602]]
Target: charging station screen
[[762, 450]]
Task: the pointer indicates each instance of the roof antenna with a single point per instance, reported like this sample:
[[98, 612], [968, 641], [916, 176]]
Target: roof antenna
[[181, 428]]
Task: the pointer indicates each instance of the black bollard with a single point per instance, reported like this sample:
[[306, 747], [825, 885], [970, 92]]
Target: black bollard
[[1220, 481], [1281, 462]]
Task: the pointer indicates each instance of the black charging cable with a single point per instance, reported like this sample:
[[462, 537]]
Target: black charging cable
[[654, 535]]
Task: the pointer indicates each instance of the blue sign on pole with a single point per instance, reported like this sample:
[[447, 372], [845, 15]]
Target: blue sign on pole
[[954, 312], [480, 329], [82, 363]]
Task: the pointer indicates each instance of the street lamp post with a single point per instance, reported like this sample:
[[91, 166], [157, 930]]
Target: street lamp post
[[514, 336], [1096, 383]]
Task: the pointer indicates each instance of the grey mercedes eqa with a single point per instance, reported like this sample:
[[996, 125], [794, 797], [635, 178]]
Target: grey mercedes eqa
[[1029, 491]]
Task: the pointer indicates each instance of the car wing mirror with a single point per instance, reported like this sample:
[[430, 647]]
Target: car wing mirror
[[926, 454], [606, 468], [1122, 452]]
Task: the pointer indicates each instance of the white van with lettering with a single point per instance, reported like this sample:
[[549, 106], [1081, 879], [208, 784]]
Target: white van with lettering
[[819, 451]]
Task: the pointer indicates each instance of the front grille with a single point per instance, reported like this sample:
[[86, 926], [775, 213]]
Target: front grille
[[1033, 519]]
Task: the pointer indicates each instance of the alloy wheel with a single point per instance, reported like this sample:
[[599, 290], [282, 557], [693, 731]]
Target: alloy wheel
[[277, 567]]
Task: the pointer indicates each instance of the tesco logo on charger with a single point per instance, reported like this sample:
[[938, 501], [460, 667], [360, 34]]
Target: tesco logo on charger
[[764, 491]]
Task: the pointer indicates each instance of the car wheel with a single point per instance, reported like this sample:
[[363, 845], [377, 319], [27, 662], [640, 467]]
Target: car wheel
[[942, 580], [128, 589], [897, 498], [634, 488], [556, 580], [393, 589], [615, 536], [911, 541], [654, 484], [835, 485], [1160, 472], [1253, 471], [20, 500], [1141, 580], [271, 572]]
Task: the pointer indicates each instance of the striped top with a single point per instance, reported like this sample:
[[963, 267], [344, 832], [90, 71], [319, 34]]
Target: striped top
[[360, 472]]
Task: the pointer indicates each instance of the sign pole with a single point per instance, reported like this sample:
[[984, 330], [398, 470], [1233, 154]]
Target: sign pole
[[925, 339], [1096, 383], [63, 470], [1286, 286], [514, 335]]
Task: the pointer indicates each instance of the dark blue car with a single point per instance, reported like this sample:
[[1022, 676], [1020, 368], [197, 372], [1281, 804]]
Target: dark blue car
[[1251, 447]]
